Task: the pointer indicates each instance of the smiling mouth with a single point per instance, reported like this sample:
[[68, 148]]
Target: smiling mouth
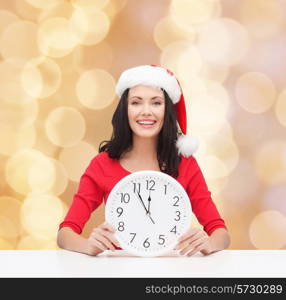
[[146, 123]]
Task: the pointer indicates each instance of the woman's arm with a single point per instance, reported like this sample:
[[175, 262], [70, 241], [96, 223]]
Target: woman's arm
[[100, 239], [196, 239]]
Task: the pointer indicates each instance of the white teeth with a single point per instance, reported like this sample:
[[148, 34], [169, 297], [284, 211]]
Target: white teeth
[[145, 123]]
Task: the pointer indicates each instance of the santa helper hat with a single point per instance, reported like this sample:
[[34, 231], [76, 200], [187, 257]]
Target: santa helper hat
[[153, 75]]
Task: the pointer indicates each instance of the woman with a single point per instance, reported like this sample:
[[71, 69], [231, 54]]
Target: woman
[[145, 136]]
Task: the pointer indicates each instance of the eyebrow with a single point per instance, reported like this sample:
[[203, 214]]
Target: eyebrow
[[151, 98]]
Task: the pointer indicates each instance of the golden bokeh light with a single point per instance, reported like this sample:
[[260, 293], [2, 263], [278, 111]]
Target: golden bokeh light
[[167, 32], [11, 88], [14, 139], [5, 245], [6, 18], [29, 171], [280, 108], [214, 73], [189, 12], [90, 24], [213, 167], [22, 33], [65, 126], [95, 89], [10, 225], [75, 168], [190, 64], [268, 230], [270, 162], [88, 57], [41, 215], [44, 4], [56, 37], [61, 179], [255, 92], [171, 54], [97, 3], [262, 18], [29, 242], [41, 77], [223, 41]]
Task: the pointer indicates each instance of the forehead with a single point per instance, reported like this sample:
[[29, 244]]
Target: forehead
[[145, 90]]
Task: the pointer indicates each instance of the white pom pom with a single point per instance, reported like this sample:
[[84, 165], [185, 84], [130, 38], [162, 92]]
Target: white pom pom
[[187, 145]]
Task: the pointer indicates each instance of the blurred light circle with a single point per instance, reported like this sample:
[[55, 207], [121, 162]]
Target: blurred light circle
[[89, 24], [190, 63], [268, 230], [29, 171], [32, 243], [44, 4], [6, 18], [262, 18], [97, 3], [214, 72], [213, 167], [10, 85], [10, 225], [166, 32], [41, 77], [171, 54], [75, 168], [255, 92], [189, 12], [65, 126], [280, 108], [274, 198], [14, 139], [56, 37], [223, 41], [61, 179], [22, 33], [41, 215], [90, 57], [96, 89], [270, 163]]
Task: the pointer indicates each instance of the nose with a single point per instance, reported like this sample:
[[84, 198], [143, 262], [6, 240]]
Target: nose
[[146, 109]]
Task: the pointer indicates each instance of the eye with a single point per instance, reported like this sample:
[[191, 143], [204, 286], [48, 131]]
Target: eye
[[157, 103], [134, 102]]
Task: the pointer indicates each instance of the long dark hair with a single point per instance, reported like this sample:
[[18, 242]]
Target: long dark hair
[[122, 138]]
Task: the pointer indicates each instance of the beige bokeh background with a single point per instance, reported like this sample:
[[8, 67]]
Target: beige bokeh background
[[59, 61]]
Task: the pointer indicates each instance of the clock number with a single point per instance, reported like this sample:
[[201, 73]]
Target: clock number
[[120, 226], [177, 200], [134, 234], [137, 187], [125, 197], [174, 230], [150, 185], [161, 238], [178, 213], [146, 243], [119, 210]]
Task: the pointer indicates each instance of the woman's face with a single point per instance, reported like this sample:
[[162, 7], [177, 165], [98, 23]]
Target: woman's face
[[146, 109]]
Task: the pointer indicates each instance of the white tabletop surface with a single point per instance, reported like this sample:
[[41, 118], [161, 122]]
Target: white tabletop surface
[[62, 263]]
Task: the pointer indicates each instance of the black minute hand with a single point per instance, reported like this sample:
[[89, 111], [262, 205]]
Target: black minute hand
[[145, 207]]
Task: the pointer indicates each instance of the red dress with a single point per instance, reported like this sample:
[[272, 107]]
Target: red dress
[[103, 173]]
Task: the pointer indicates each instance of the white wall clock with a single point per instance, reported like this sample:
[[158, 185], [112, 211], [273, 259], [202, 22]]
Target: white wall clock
[[150, 210]]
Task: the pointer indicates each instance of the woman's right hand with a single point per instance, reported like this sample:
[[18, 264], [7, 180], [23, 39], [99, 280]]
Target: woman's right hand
[[101, 239]]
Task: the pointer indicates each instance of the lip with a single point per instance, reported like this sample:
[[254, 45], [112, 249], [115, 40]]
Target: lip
[[146, 125]]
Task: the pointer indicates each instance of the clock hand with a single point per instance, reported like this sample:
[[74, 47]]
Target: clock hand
[[145, 207], [149, 201]]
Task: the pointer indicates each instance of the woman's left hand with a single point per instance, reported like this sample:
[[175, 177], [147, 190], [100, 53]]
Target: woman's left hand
[[193, 241]]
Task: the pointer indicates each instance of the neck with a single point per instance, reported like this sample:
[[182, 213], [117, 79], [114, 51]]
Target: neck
[[144, 148]]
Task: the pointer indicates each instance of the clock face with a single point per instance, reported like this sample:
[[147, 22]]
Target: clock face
[[150, 210]]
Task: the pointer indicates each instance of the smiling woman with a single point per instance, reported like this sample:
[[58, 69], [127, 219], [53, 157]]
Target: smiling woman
[[149, 133]]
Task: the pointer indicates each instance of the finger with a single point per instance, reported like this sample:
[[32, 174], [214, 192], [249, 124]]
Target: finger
[[104, 241], [97, 244], [189, 234], [195, 238], [108, 227], [111, 237], [193, 245], [195, 250]]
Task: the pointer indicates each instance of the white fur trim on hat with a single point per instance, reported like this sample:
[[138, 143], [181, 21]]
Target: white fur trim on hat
[[187, 145], [151, 76]]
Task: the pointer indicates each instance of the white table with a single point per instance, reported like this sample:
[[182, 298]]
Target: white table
[[62, 263]]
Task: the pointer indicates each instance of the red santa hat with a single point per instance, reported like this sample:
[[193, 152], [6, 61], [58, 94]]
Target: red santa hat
[[153, 75]]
